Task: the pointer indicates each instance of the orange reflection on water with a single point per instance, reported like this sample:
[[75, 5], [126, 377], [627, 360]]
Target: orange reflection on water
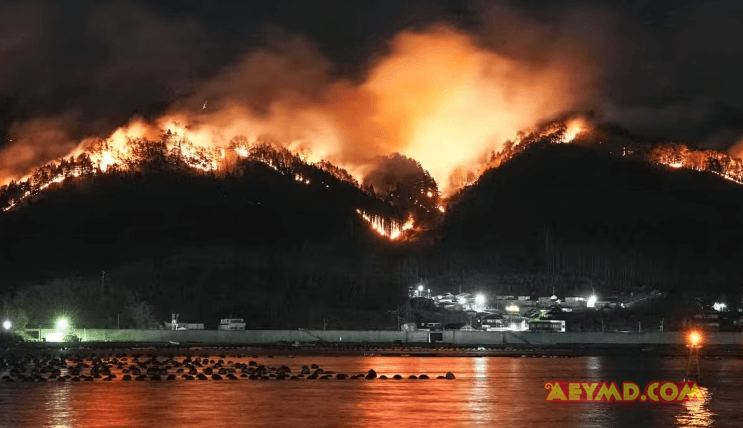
[[407, 402], [697, 413], [104, 405], [487, 392]]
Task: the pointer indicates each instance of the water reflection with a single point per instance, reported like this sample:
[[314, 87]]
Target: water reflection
[[593, 363], [58, 406], [481, 367], [410, 402], [480, 394], [696, 413], [488, 391], [591, 414]]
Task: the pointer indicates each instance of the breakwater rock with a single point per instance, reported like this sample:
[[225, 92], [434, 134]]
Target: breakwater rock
[[109, 367]]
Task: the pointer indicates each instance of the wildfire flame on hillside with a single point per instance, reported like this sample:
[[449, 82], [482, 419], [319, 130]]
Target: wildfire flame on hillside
[[574, 128], [118, 151], [388, 229], [680, 156], [437, 97]]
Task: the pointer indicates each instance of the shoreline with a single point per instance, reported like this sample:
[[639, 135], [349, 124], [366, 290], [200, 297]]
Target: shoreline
[[380, 350]]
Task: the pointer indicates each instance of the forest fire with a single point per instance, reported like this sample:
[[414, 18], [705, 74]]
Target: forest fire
[[437, 94], [138, 145], [443, 120], [299, 178], [574, 128], [387, 228], [680, 156], [446, 124]]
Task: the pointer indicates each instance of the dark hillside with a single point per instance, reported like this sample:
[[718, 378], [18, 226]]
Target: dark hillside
[[287, 253], [568, 209], [259, 243]]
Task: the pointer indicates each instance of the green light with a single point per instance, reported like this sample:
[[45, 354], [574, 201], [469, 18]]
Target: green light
[[62, 324]]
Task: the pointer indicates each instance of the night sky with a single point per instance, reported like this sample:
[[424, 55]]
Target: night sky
[[74, 69]]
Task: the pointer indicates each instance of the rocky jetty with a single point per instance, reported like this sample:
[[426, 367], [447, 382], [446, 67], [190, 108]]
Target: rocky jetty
[[110, 367]]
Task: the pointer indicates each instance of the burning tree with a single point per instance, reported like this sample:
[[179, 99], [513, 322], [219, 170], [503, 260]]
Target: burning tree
[[404, 182], [173, 154]]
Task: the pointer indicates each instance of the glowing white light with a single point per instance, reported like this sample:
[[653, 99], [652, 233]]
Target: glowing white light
[[54, 337], [719, 306], [420, 288], [62, 325], [7, 324], [591, 301], [512, 308], [480, 300], [462, 300]]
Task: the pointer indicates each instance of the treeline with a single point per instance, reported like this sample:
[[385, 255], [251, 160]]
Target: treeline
[[16, 191], [85, 302], [405, 183], [611, 267], [553, 133], [622, 144], [270, 288], [169, 155], [253, 204], [293, 253], [681, 156]]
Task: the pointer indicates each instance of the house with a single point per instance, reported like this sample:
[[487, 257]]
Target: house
[[526, 301], [493, 323], [546, 301], [231, 324], [575, 302], [707, 319]]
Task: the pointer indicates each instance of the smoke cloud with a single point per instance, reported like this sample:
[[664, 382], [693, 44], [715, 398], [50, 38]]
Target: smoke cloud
[[443, 92], [79, 72], [436, 97]]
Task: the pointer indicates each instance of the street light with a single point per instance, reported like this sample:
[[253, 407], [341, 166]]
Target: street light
[[7, 324], [511, 309], [591, 303], [692, 362], [480, 300], [62, 325], [695, 338]]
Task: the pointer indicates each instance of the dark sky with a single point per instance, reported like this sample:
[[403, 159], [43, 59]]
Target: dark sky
[[665, 69]]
